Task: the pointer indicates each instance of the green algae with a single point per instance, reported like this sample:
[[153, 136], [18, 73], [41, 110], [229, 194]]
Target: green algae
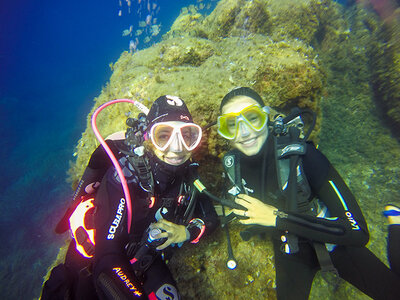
[[308, 53], [386, 70]]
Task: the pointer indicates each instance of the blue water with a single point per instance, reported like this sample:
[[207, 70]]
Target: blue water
[[54, 59]]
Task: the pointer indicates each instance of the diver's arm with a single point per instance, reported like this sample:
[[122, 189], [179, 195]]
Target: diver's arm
[[98, 165], [205, 210], [346, 224], [113, 274], [205, 219]]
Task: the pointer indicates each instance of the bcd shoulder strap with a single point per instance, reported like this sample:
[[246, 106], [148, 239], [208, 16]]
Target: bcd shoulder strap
[[231, 163], [289, 166]]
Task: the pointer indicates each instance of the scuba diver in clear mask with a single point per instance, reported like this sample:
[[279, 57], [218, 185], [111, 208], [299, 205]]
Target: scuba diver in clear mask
[[134, 238], [289, 188]]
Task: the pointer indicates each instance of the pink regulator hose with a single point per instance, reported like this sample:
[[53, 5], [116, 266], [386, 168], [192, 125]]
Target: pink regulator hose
[[110, 153]]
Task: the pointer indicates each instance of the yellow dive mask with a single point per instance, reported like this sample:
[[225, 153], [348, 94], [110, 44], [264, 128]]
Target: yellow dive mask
[[254, 115]]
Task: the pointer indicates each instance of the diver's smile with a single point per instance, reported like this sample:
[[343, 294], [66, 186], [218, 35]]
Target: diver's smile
[[175, 160], [249, 142]]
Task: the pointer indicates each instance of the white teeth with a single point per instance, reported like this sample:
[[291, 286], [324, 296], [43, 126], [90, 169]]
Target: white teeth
[[248, 141], [175, 160]]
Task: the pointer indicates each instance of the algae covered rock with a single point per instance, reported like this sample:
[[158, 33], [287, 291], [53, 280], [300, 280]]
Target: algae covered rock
[[201, 71], [307, 20], [221, 21], [187, 24], [190, 51], [201, 271], [386, 69], [235, 18]]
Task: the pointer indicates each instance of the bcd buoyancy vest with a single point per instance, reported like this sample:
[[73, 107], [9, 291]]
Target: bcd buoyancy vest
[[305, 202], [137, 171], [282, 191], [231, 163]]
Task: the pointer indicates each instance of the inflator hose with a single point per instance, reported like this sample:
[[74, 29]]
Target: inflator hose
[[114, 160], [202, 189]]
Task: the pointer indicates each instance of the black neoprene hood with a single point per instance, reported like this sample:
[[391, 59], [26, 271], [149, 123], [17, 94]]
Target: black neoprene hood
[[241, 91], [168, 108]]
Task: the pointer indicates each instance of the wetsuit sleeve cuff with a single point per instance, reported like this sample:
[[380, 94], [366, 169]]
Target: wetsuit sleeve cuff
[[196, 229], [280, 222], [187, 234]]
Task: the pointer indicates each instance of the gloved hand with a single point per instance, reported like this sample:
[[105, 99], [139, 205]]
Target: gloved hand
[[173, 232]]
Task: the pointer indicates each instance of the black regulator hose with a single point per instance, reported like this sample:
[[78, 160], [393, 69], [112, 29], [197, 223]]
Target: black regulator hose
[[298, 112], [202, 189], [209, 125], [231, 262]]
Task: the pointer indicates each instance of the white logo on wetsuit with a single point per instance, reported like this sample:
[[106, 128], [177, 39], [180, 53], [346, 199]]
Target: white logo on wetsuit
[[229, 160], [117, 219], [352, 221], [174, 101], [290, 148], [167, 292]]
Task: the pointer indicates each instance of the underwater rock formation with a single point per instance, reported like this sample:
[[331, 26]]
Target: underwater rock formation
[[386, 68], [309, 53], [201, 70]]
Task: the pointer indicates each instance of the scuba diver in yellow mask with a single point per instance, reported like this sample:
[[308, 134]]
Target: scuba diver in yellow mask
[[289, 188]]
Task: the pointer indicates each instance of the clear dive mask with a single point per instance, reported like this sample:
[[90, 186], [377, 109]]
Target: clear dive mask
[[165, 134]]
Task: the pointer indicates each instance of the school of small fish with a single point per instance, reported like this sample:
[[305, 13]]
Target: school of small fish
[[147, 28]]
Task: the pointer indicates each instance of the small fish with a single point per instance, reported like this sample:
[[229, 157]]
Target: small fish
[[148, 19], [127, 32], [155, 30], [133, 45]]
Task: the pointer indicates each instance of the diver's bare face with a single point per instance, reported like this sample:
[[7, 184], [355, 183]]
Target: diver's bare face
[[248, 141]]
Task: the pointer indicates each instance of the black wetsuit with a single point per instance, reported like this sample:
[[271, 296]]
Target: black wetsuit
[[346, 228], [111, 273], [114, 274]]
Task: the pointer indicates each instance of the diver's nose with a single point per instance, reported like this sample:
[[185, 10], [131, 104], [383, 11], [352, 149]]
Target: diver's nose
[[244, 129], [176, 145]]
